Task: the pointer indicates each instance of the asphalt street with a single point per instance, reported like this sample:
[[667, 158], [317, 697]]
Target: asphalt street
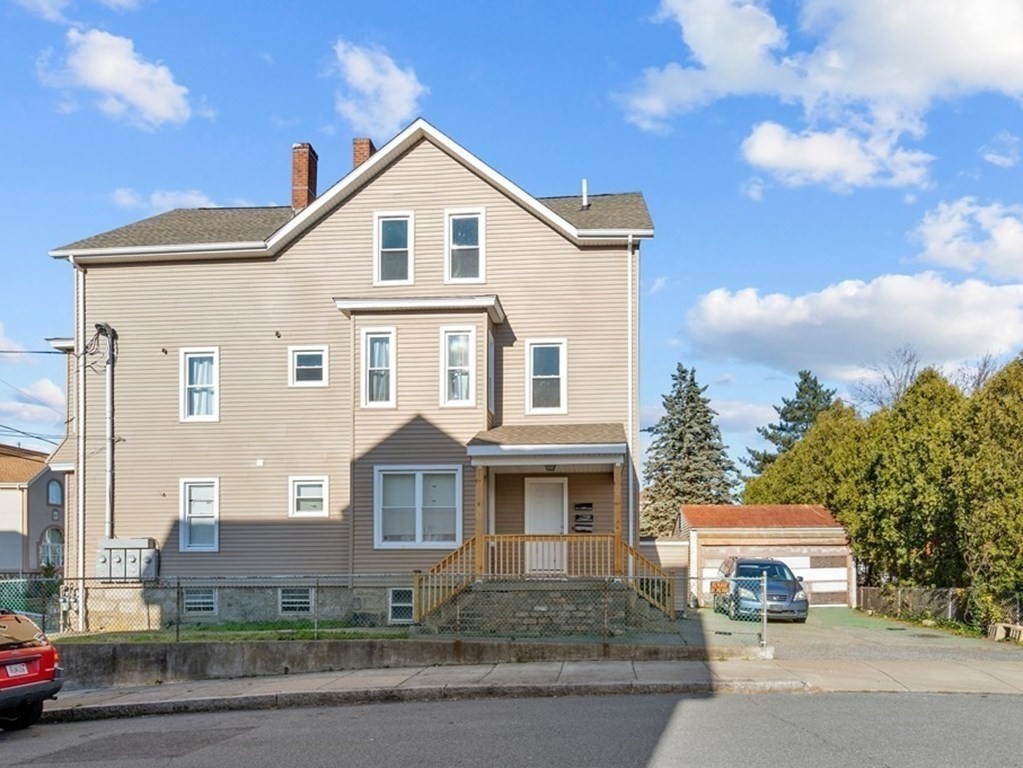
[[747, 731]]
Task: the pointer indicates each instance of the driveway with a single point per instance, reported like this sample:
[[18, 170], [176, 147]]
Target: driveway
[[842, 633]]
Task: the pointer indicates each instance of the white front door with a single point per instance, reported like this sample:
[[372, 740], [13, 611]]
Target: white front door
[[546, 513]]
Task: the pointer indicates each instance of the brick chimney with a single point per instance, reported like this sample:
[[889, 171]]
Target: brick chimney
[[303, 175], [362, 150]]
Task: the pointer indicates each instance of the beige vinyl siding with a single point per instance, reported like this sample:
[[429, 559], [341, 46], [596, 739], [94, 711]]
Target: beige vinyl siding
[[595, 488], [252, 310], [418, 432]]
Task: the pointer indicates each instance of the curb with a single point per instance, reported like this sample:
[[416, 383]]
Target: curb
[[395, 695]]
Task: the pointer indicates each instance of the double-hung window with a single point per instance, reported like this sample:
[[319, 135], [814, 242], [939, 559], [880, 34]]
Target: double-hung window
[[200, 515], [418, 507], [308, 497], [465, 252], [546, 379], [200, 384], [378, 354], [458, 379], [394, 236], [307, 366]]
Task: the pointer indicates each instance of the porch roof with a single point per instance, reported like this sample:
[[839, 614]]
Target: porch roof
[[537, 444]]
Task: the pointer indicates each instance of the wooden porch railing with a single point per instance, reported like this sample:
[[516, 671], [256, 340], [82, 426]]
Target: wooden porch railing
[[649, 581], [445, 580], [569, 555], [515, 556]]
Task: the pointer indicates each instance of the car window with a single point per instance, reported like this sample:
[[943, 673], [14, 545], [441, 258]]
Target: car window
[[19, 632]]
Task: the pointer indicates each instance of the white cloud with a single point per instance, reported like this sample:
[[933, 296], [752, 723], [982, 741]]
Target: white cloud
[[864, 74], [30, 413], [130, 88], [658, 285], [161, 199], [837, 158], [51, 10], [121, 5], [741, 416], [837, 330], [379, 97], [43, 392], [974, 238], [753, 189], [1002, 150], [8, 343]]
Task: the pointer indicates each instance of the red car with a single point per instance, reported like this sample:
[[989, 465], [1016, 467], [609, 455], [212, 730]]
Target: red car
[[29, 673]]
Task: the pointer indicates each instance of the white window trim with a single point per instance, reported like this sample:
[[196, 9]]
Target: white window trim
[[293, 352], [391, 604], [445, 331], [293, 483], [451, 213], [184, 354], [563, 344], [183, 545], [380, 470], [392, 401], [378, 216]]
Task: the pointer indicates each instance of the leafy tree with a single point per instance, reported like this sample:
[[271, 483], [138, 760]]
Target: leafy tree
[[826, 467], [687, 462], [907, 525], [795, 416], [990, 490]]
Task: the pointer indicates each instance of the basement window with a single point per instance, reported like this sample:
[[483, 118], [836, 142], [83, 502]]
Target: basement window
[[296, 600], [200, 600], [399, 605]]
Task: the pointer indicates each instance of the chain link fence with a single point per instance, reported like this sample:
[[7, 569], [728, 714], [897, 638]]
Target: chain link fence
[[378, 605], [963, 605]]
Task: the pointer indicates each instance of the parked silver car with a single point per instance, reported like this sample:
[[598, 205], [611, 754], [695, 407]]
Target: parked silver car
[[741, 599]]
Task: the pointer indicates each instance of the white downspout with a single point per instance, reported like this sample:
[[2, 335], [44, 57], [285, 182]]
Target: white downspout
[[80, 442], [632, 365], [104, 329]]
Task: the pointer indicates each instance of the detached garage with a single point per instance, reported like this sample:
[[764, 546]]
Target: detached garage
[[807, 538]]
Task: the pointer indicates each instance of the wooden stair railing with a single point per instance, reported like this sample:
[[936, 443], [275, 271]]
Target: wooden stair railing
[[649, 581], [445, 580]]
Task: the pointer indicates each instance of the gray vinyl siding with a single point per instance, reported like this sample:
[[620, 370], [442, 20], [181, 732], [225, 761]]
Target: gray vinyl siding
[[252, 310]]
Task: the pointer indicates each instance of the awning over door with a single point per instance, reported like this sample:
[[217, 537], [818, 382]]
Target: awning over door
[[567, 447]]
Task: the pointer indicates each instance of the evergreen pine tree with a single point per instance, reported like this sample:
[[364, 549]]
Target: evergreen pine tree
[[687, 462], [795, 416]]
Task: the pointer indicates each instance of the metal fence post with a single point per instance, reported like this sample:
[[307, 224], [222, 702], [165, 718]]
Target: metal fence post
[[950, 604], [316, 610], [177, 624], [763, 609]]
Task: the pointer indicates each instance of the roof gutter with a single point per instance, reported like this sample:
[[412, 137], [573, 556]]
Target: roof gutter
[[186, 251]]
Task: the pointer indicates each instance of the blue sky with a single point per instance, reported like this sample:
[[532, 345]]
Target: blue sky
[[829, 179]]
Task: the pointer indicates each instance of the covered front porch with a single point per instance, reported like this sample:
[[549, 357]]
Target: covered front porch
[[550, 503]]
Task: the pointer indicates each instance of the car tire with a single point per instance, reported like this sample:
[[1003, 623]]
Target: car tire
[[28, 714], [733, 610], [801, 620]]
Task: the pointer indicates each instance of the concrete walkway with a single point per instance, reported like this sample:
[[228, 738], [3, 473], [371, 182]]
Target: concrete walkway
[[554, 678]]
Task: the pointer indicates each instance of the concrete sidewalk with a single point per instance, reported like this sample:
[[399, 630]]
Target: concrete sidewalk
[[553, 678]]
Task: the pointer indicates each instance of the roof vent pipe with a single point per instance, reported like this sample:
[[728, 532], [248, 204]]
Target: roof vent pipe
[[586, 196]]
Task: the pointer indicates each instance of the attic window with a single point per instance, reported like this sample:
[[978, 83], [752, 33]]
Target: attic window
[[394, 238]]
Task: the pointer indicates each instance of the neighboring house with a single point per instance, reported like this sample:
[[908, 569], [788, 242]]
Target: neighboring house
[[423, 361], [31, 512], [808, 538]]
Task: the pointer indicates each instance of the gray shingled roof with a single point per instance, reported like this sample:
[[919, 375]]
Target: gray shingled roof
[[622, 211], [192, 225], [233, 225], [551, 434]]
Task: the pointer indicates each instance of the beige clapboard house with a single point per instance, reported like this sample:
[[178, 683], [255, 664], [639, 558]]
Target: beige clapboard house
[[424, 369]]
